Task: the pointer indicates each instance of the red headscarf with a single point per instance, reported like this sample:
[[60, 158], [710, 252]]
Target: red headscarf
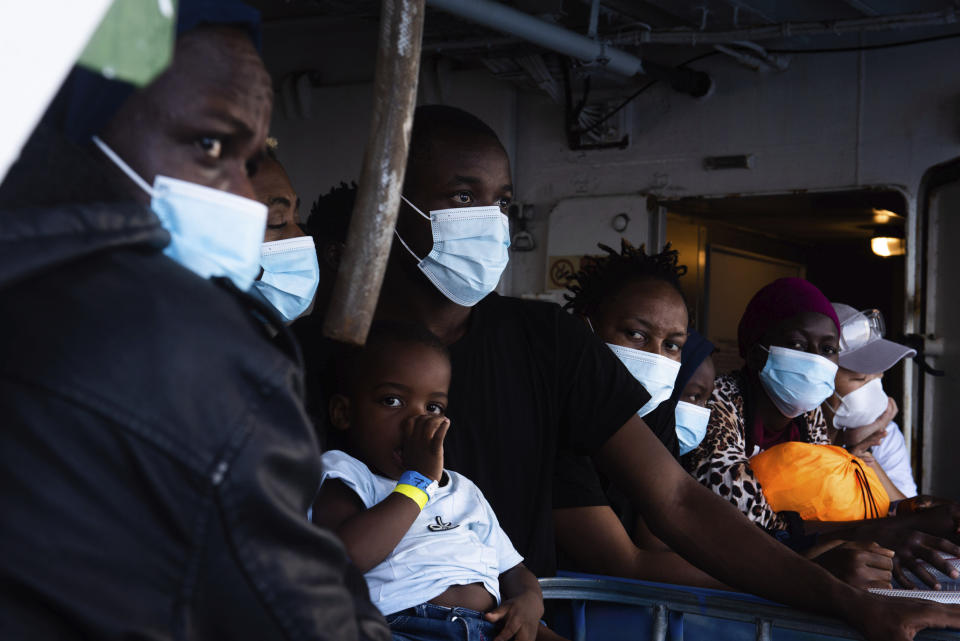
[[782, 299]]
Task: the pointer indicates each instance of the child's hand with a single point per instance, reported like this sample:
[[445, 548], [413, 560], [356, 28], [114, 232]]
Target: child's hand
[[520, 616], [423, 444]]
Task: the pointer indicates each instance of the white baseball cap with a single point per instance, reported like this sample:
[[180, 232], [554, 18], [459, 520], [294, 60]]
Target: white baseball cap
[[863, 348]]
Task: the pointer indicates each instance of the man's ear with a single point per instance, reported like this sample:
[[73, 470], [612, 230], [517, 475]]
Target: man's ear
[[756, 358], [340, 412]]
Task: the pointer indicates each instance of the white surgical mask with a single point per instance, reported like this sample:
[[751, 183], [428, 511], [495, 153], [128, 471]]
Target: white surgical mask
[[290, 275], [796, 381], [692, 421], [212, 232], [862, 406], [656, 373], [469, 251]]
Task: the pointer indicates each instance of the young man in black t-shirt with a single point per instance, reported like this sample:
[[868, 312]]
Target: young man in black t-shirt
[[527, 378]]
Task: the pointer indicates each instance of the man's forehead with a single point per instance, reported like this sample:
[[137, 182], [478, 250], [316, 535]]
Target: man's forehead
[[272, 178], [216, 75], [473, 156], [221, 58]]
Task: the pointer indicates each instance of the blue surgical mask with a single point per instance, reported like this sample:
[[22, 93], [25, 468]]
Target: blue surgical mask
[[290, 275], [692, 421], [656, 373], [469, 251], [212, 232], [796, 381]]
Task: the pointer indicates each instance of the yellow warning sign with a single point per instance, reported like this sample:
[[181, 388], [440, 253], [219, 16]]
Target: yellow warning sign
[[561, 268]]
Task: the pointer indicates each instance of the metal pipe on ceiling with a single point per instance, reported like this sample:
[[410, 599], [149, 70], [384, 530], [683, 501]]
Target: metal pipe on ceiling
[[780, 31], [790, 29], [508, 20], [550, 36], [594, 19]]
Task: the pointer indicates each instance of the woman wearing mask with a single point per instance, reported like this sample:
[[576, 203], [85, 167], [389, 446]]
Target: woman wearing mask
[[633, 303], [789, 338], [693, 390], [860, 412], [289, 270]]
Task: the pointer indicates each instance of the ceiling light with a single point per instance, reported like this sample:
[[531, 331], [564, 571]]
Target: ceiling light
[[883, 216], [886, 246], [888, 241]]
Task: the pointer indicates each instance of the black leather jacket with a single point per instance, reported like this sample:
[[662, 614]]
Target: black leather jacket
[[156, 465]]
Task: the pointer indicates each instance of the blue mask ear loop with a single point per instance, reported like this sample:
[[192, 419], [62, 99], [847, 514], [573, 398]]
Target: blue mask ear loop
[[400, 238], [590, 324], [123, 166]]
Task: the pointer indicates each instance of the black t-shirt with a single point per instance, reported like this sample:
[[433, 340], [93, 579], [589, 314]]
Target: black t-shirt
[[528, 380], [577, 482]]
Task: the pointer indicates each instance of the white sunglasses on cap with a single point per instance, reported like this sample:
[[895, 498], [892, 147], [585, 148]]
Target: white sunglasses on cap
[[865, 327]]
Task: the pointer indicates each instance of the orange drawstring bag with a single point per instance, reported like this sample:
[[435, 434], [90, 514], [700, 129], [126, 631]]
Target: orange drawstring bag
[[820, 482]]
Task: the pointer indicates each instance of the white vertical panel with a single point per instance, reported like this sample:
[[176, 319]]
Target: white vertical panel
[[39, 42]]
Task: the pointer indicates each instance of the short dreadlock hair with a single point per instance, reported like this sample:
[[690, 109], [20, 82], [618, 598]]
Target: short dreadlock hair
[[603, 277], [330, 214]]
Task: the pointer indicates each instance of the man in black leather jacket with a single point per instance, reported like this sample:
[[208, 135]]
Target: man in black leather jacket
[[156, 465]]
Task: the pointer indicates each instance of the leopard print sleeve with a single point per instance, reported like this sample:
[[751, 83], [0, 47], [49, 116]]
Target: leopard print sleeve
[[817, 427], [721, 462]]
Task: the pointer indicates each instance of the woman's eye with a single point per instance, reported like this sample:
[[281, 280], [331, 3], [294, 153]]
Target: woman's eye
[[673, 347], [463, 197], [391, 401], [798, 345], [504, 202], [435, 408], [211, 147], [635, 336], [830, 350]]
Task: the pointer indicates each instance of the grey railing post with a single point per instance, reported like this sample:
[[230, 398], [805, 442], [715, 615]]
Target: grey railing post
[[660, 622]]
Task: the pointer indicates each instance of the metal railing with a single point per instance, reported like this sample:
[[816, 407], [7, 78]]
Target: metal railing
[[657, 602]]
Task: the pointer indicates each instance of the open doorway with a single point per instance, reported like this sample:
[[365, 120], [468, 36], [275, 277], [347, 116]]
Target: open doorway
[[734, 245]]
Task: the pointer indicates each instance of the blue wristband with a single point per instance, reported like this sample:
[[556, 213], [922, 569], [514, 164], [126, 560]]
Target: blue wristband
[[417, 480]]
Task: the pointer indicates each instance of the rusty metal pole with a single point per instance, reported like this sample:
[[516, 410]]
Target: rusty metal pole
[[370, 236]]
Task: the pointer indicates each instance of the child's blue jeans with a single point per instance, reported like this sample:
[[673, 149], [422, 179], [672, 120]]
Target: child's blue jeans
[[429, 622]]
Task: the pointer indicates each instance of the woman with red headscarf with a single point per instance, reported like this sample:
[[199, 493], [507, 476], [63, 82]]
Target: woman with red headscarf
[[789, 337]]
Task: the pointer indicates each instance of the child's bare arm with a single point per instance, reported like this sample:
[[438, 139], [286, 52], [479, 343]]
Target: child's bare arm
[[521, 605], [370, 535], [892, 492]]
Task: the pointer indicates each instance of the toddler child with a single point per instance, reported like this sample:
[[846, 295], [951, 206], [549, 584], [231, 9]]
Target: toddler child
[[436, 561]]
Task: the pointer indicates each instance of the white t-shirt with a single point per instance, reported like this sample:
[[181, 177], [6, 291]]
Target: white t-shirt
[[456, 539], [891, 455]]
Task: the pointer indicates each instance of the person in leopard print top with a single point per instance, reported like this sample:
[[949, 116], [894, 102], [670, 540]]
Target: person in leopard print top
[[721, 461], [748, 413]]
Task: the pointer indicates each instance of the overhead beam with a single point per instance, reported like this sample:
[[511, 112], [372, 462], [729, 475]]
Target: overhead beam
[[791, 29], [862, 7]]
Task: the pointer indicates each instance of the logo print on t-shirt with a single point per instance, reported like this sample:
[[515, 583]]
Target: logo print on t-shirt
[[440, 526]]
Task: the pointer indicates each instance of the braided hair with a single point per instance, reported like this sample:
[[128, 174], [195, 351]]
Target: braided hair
[[600, 278]]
